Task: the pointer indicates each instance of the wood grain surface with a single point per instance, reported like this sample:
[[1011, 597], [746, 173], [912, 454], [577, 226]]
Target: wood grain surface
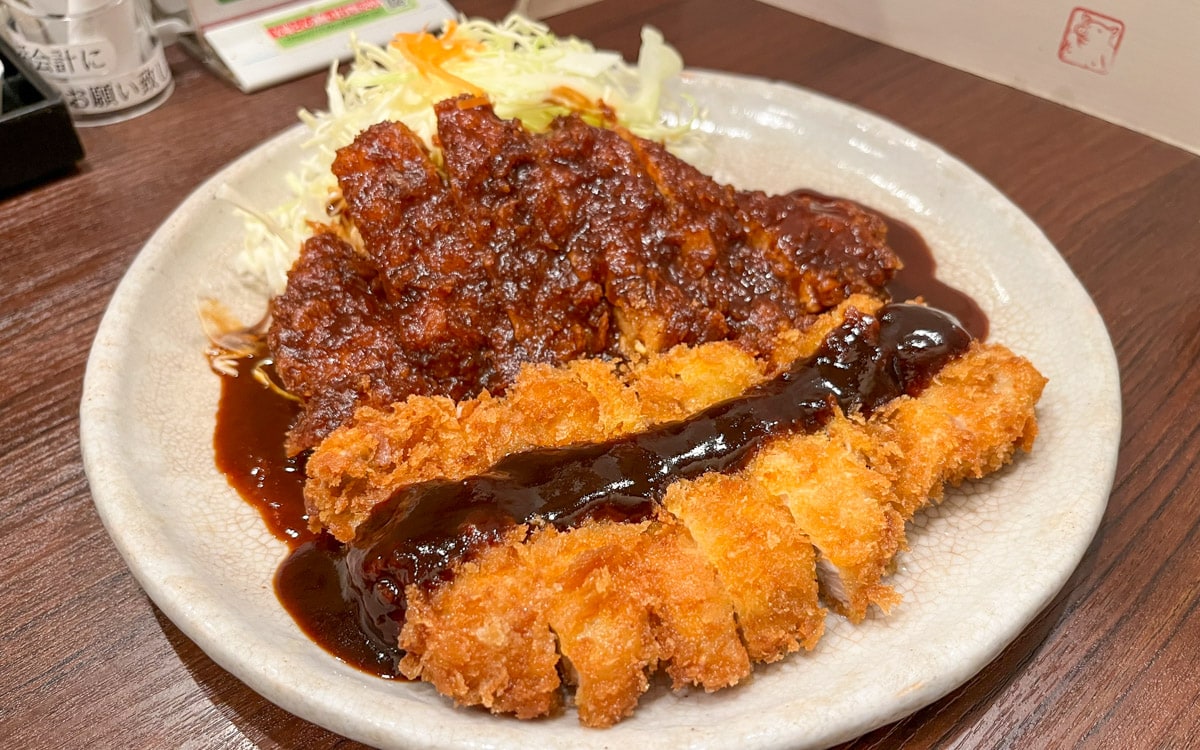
[[87, 660]]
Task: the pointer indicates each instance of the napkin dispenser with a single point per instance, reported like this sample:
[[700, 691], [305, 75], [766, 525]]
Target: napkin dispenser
[[37, 138]]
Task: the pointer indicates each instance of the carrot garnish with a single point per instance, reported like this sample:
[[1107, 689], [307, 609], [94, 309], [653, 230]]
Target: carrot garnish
[[430, 52], [580, 103]]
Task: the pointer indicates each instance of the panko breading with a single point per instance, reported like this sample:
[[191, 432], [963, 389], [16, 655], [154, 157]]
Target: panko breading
[[766, 563], [423, 437], [504, 658], [733, 568], [431, 437], [844, 506], [616, 599], [968, 423]]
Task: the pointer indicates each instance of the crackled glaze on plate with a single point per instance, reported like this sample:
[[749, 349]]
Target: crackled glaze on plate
[[980, 567]]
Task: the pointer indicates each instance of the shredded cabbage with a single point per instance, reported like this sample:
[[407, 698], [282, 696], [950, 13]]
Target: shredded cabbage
[[524, 70]]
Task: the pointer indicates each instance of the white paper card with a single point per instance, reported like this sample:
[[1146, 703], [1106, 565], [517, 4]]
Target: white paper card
[[267, 47]]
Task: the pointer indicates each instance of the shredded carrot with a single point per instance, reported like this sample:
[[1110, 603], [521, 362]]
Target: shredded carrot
[[429, 53], [576, 101]]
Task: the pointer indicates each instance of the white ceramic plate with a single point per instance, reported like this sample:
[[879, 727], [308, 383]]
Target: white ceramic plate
[[981, 566]]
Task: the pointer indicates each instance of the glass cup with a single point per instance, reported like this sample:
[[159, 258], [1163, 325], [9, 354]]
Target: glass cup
[[103, 55]]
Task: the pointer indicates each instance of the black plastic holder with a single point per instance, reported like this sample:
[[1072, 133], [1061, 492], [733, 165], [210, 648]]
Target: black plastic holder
[[37, 138]]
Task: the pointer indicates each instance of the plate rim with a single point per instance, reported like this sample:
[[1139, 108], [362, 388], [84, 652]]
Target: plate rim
[[95, 413]]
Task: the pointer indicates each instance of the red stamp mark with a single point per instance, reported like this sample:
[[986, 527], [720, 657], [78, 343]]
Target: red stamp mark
[[1091, 40]]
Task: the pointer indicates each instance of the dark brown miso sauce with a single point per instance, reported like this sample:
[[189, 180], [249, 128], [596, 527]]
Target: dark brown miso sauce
[[358, 621], [248, 441], [310, 583], [252, 421], [919, 278]]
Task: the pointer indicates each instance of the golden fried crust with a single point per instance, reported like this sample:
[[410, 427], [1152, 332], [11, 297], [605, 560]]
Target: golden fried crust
[[793, 344], [583, 401], [766, 563], [846, 509], [600, 615], [355, 470], [615, 600], [968, 423], [731, 571], [693, 614], [685, 379], [429, 437], [486, 639], [628, 598]]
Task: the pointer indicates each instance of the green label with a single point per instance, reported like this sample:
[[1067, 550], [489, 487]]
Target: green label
[[332, 18]]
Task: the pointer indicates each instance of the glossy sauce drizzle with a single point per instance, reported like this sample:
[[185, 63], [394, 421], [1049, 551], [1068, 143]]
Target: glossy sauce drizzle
[[423, 530], [350, 599], [919, 278]]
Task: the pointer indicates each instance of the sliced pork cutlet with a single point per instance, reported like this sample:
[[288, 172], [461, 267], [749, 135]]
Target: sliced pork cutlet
[[341, 333], [694, 616], [580, 225], [601, 617], [431, 437], [422, 438], [679, 257], [978, 411], [766, 564], [580, 241], [826, 248], [724, 572], [484, 639], [476, 292], [630, 598], [430, 269], [844, 507], [576, 201], [618, 600], [521, 205]]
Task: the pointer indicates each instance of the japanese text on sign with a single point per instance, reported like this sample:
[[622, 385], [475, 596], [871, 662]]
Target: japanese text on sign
[[98, 95], [67, 61]]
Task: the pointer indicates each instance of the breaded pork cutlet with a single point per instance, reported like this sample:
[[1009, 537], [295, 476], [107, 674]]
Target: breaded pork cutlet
[[765, 561], [429, 437], [519, 247], [843, 506], [423, 438], [730, 567], [616, 600], [968, 423]]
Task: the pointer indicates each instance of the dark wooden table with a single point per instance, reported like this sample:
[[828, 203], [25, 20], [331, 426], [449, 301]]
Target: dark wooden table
[[87, 660]]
